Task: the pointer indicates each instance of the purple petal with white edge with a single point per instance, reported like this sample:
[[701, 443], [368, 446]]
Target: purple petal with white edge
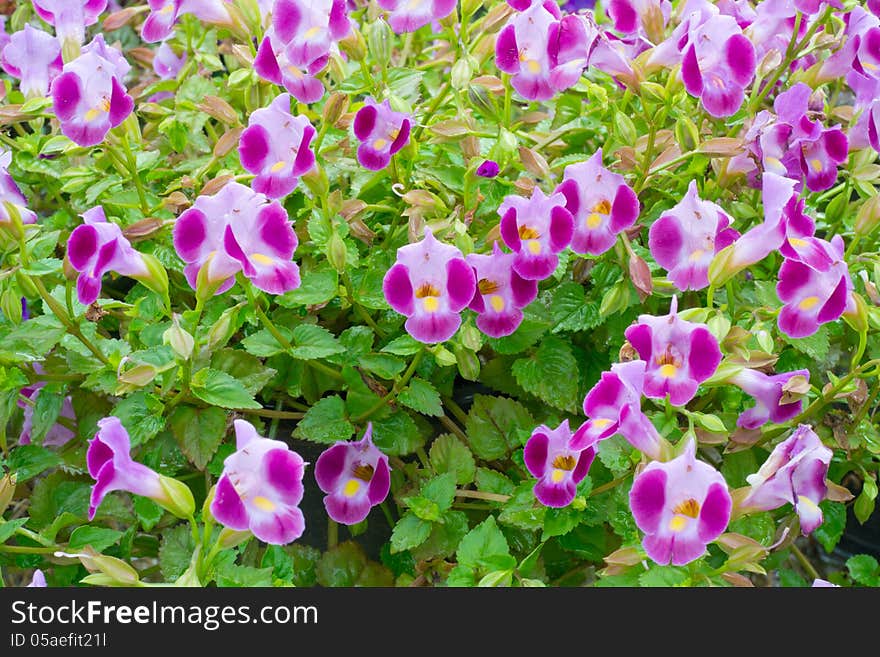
[[380, 484], [658, 547], [283, 470], [561, 228], [640, 337], [365, 122], [686, 548], [253, 148], [279, 528], [266, 64], [714, 513], [121, 104], [347, 510], [555, 495], [624, 209], [690, 73], [330, 467], [461, 284], [705, 354], [740, 59], [66, 95], [286, 18], [433, 327], [524, 291], [510, 230], [535, 454]]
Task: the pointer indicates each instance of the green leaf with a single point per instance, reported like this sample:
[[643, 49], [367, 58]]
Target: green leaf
[[397, 434], [708, 421], [490, 481], [27, 461], [311, 342], [461, 576], [98, 537], [864, 569], [220, 389], [522, 510], [199, 432], [325, 422], [148, 512], [141, 415], [421, 396], [570, 311], [550, 374], [815, 346], [493, 424], [342, 565], [833, 524], [233, 575], [614, 453], [47, 408], [560, 521], [263, 344], [318, 286], [526, 334], [440, 490], [382, 365], [175, 552], [405, 345], [863, 507], [449, 454], [483, 543], [424, 508], [444, 538], [664, 576], [245, 367], [409, 532], [33, 340], [7, 529]]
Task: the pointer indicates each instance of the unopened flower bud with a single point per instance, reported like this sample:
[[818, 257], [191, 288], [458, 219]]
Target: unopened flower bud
[[462, 71], [354, 45], [379, 38], [179, 339], [178, 498], [468, 363], [7, 490], [868, 217], [337, 253], [335, 107], [156, 277], [10, 305], [115, 571], [223, 328], [471, 337]]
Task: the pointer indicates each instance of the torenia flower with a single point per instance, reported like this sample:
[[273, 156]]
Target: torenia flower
[[98, 246], [559, 460], [431, 284], [679, 354], [110, 464], [164, 14], [500, 294], [277, 63], [38, 580], [11, 194], [686, 238], [381, 131], [167, 64], [600, 202], [682, 506], [794, 473], [408, 16], [718, 65], [631, 15], [310, 28], [276, 146], [355, 476], [814, 288], [237, 229], [70, 17], [543, 51], [771, 402], [89, 98], [614, 405], [536, 229], [784, 221], [260, 488], [34, 57]]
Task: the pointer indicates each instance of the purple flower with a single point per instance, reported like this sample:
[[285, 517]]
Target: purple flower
[[600, 202], [98, 246], [119, 64], [772, 27], [408, 16], [11, 194], [167, 64], [685, 239], [164, 14], [58, 434], [276, 146], [89, 99], [614, 405], [34, 57], [682, 506], [813, 6], [769, 393], [38, 580], [237, 229], [814, 287], [70, 17], [276, 63], [859, 40], [431, 284], [718, 65], [784, 220], [355, 476], [381, 131], [819, 583], [110, 464], [559, 460], [500, 293], [488, 169], [310, 28], [543, 51], [794, 473], [536, 229], [260, 488], [631, 16], [679, 354]]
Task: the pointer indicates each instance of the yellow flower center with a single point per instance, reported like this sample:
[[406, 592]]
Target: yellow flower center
[[794, 241], [774, 161], [264, 504], [428, 293], [533, 66], [557, 475], [379, 144], [295, 72], [487, 287], [352, 486], [534, 247], [816, 164], [593, 220], [312, 31], [430, 304], [261, 259], [497, 303], [689, 509], [808, 303], [280, 164], [527, 233], [668, 371], [601, 422], [564, 462]]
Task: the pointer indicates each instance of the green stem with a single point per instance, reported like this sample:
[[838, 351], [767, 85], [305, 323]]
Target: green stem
[[394, 390], [453, 427], [432, 108], [710, 295], [37, 538], [481, 495], [457, 410], [135, 178], [802, 558], [332, 534]]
